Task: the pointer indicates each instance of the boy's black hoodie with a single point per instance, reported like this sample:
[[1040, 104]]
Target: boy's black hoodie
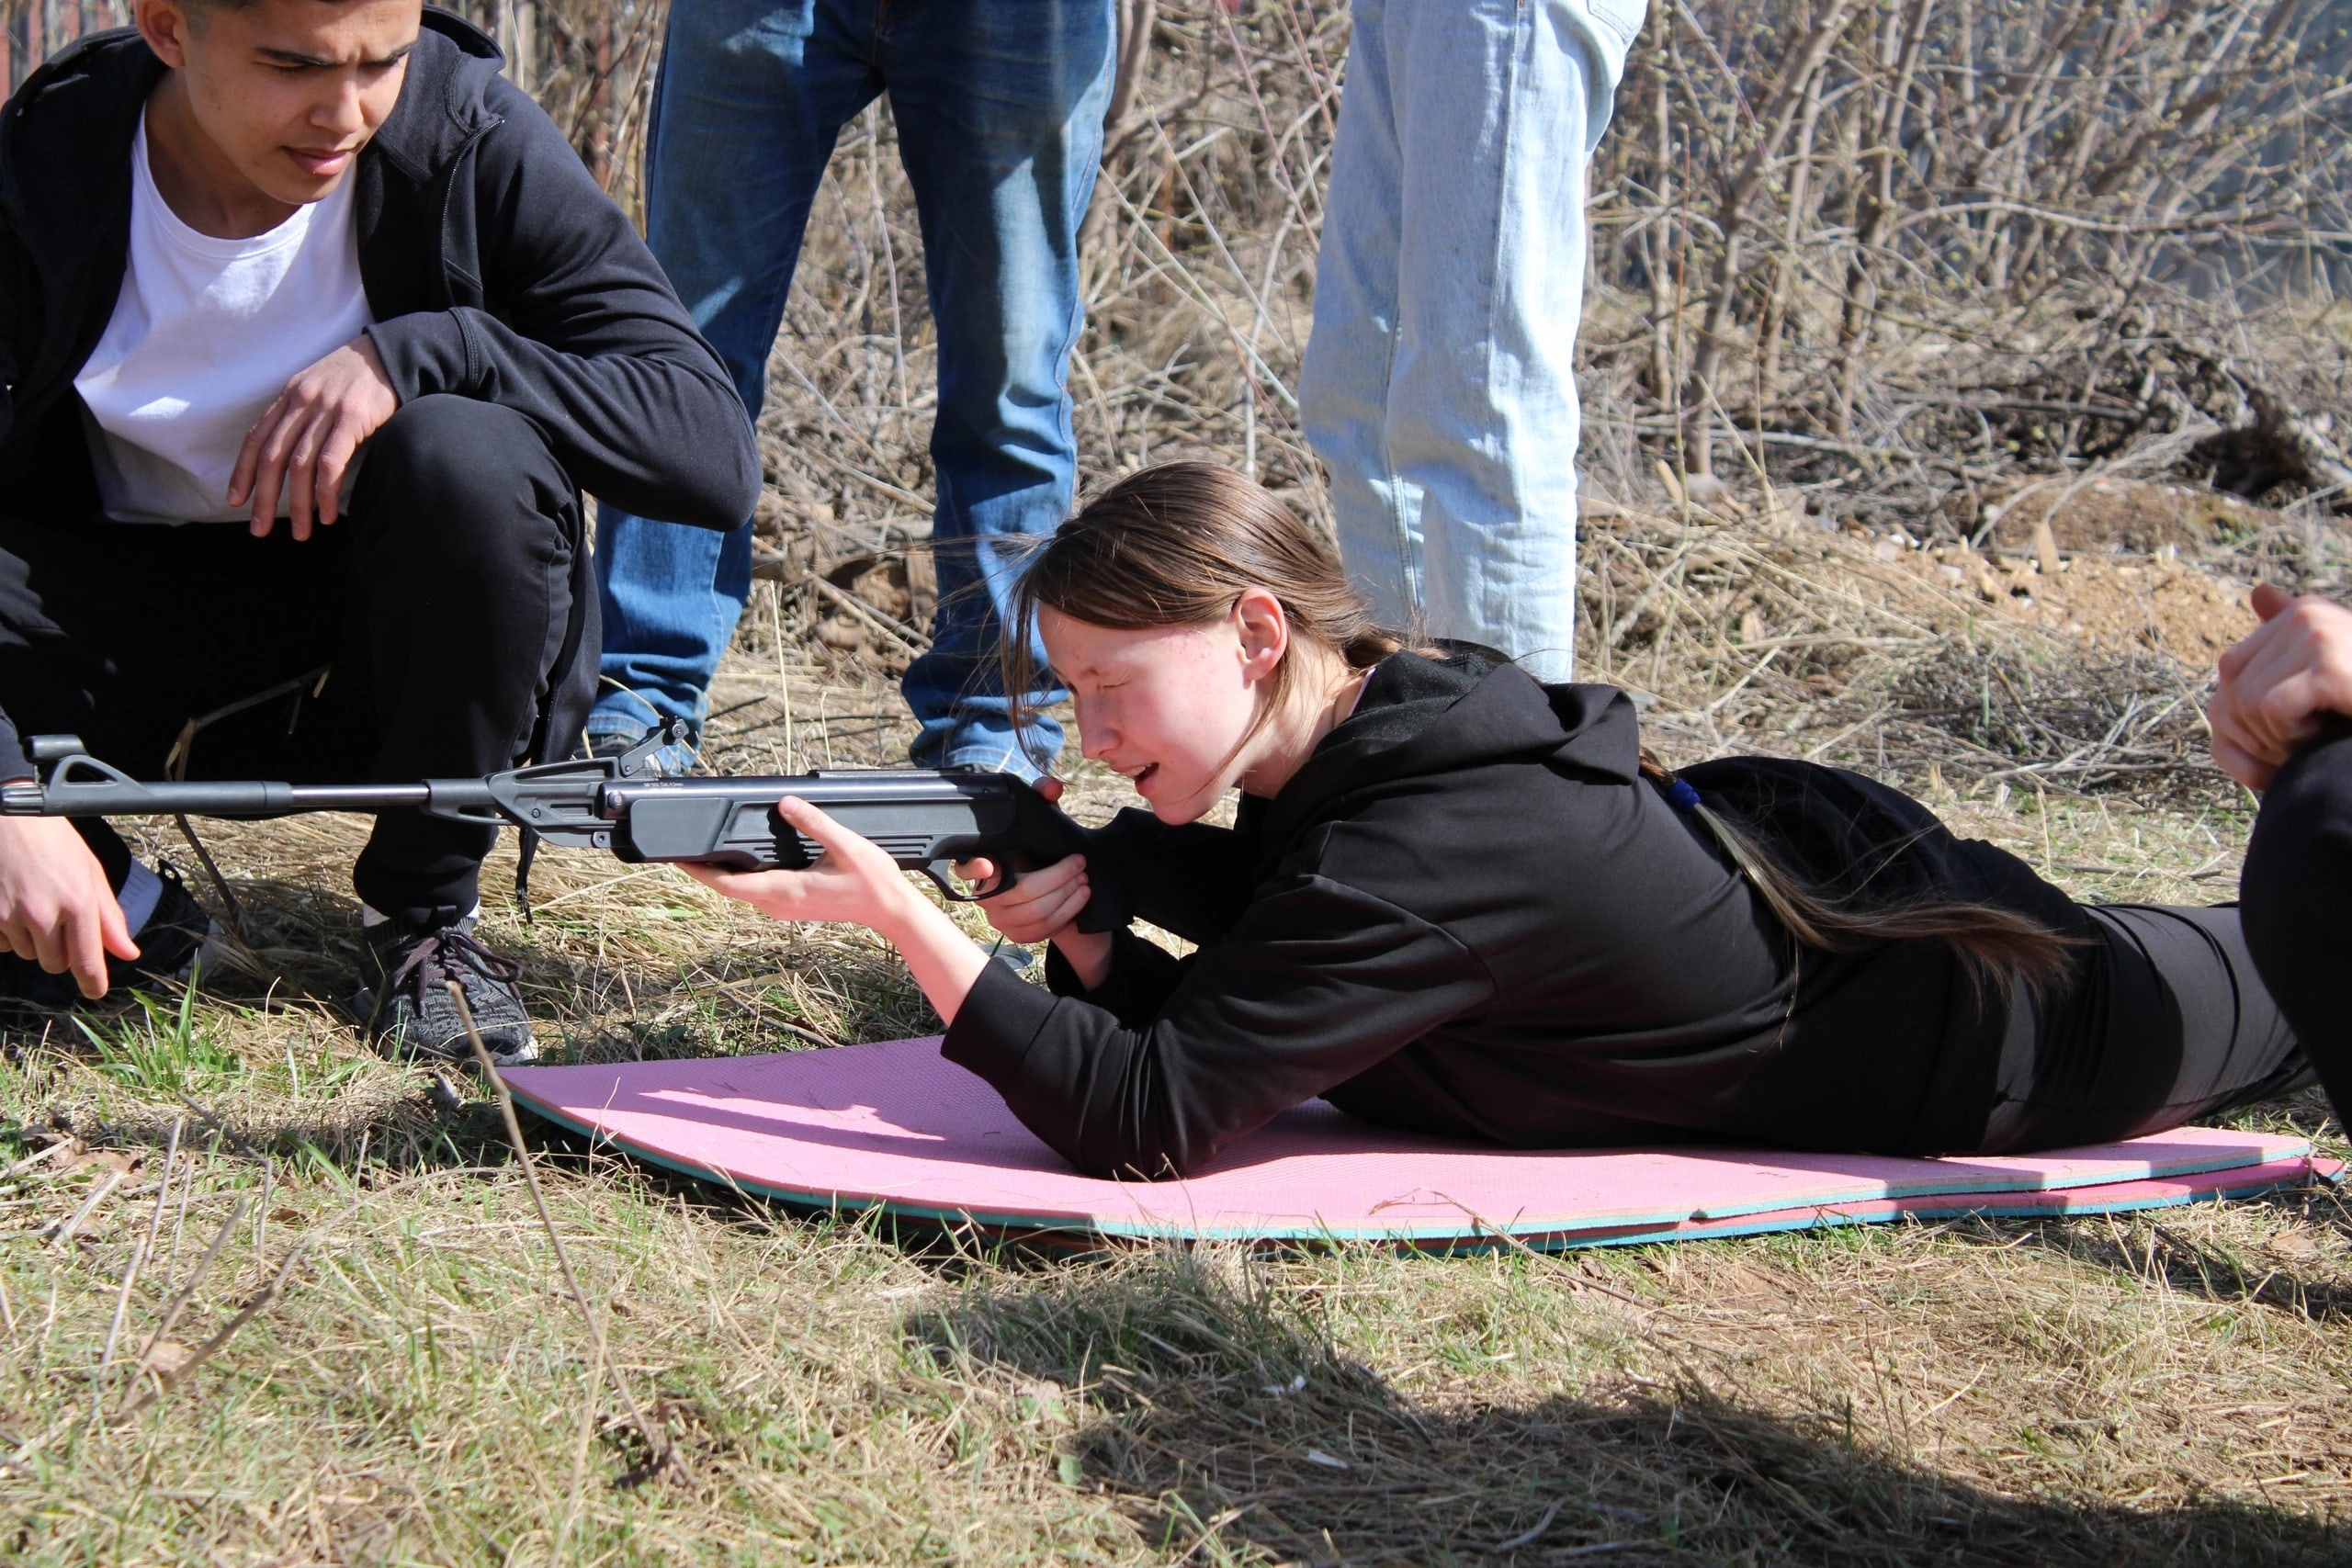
[[494, 269], [1468, 914]]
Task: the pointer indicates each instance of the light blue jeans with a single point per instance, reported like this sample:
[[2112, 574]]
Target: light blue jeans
[[1439, 385], [999, 108]]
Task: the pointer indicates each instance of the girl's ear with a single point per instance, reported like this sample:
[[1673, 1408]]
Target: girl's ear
[[1262, 631]]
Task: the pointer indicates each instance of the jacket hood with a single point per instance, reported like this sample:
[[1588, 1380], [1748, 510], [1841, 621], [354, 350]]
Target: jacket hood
[[1420, 716], [444, 104], [89, 97]]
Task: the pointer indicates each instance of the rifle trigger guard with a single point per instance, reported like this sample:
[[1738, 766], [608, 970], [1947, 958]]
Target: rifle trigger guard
[[948, 890]]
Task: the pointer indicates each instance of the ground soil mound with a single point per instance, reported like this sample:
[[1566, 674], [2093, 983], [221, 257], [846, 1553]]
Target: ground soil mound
[[2164, 603], [2105, 515]]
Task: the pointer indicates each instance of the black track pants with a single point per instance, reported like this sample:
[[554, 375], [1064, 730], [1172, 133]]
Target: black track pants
[[444, 605], [2297, 898], [2165, 1023]]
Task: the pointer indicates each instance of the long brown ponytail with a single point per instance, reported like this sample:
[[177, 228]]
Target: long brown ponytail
[[2000, 948], [1177, 545]]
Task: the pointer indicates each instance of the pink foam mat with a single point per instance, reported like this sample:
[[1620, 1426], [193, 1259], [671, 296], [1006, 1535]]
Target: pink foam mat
[[897, 1126]]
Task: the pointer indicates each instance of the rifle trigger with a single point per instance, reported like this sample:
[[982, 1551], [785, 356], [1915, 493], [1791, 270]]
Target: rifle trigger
[[946, 884]]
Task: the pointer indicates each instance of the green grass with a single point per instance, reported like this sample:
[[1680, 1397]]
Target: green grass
[[162, 1048]]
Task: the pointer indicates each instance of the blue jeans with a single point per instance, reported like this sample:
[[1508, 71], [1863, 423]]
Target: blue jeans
[[998, 108], [1439, 385]]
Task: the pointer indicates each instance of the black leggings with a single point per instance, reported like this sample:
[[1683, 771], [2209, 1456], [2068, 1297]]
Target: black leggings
[[2189, 1013], [445, 603], [2168, 1022], [2297, 898]]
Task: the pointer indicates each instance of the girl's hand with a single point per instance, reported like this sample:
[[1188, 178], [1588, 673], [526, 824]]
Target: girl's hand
[[1042, 904], [2280, 683], [855, 880], [1027, 927], [1038, 907]]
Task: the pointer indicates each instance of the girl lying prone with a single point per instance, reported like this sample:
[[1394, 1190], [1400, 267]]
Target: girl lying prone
[[1457, 901]]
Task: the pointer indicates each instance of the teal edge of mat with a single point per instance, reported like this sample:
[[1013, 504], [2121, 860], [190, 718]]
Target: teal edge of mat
[[1996, 1210], [1815, 1217]]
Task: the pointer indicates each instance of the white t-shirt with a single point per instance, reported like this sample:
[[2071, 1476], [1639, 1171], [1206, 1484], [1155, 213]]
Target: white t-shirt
[[205, 334]]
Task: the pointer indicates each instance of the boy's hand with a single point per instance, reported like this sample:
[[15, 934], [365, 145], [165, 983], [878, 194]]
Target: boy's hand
[[56, 907], [2278, 685], [309, 435]]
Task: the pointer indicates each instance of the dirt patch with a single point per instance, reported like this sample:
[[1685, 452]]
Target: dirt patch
[[2107, 515], [2162, 604]]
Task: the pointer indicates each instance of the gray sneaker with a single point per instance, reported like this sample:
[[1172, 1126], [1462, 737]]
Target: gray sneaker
[[405, 1002]]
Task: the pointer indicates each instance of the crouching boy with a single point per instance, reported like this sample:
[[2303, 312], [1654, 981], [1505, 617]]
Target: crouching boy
[[312, 329]]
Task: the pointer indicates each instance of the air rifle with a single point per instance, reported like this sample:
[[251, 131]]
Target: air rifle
[[925, 821]]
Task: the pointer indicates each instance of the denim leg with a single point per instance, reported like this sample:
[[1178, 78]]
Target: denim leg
[[999, 115], [1480, 116], [670, 597], [1350, 353], [751, 98]]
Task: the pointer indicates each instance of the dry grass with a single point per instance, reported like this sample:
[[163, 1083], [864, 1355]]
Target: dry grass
[[423, 1388], [2165, 1388]]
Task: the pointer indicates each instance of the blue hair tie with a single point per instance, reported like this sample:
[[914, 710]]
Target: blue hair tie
[[1681, 796]]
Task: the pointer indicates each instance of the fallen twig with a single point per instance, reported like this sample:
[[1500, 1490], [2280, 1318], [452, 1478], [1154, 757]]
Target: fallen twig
[[187, 1292]]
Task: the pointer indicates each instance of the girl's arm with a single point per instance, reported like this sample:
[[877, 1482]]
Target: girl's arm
[[1316, 983]]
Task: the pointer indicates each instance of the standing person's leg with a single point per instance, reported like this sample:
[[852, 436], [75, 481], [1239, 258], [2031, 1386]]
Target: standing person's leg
[[1351, 353], [751, 97], [2296, 900], [999, 115], [1492, 108]]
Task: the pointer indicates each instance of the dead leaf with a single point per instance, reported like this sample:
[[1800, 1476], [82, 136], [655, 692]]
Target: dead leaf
[[165, 1356], [106, 1159]]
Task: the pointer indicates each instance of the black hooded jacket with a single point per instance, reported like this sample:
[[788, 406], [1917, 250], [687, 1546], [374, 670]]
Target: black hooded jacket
[[1468, 914], [494, 268], [493, 265]]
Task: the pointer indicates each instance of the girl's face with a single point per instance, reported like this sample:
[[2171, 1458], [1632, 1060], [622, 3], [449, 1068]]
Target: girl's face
[[1172, 708]]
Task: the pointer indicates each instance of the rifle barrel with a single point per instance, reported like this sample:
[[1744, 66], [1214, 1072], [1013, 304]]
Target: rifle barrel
[[226, 798]]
